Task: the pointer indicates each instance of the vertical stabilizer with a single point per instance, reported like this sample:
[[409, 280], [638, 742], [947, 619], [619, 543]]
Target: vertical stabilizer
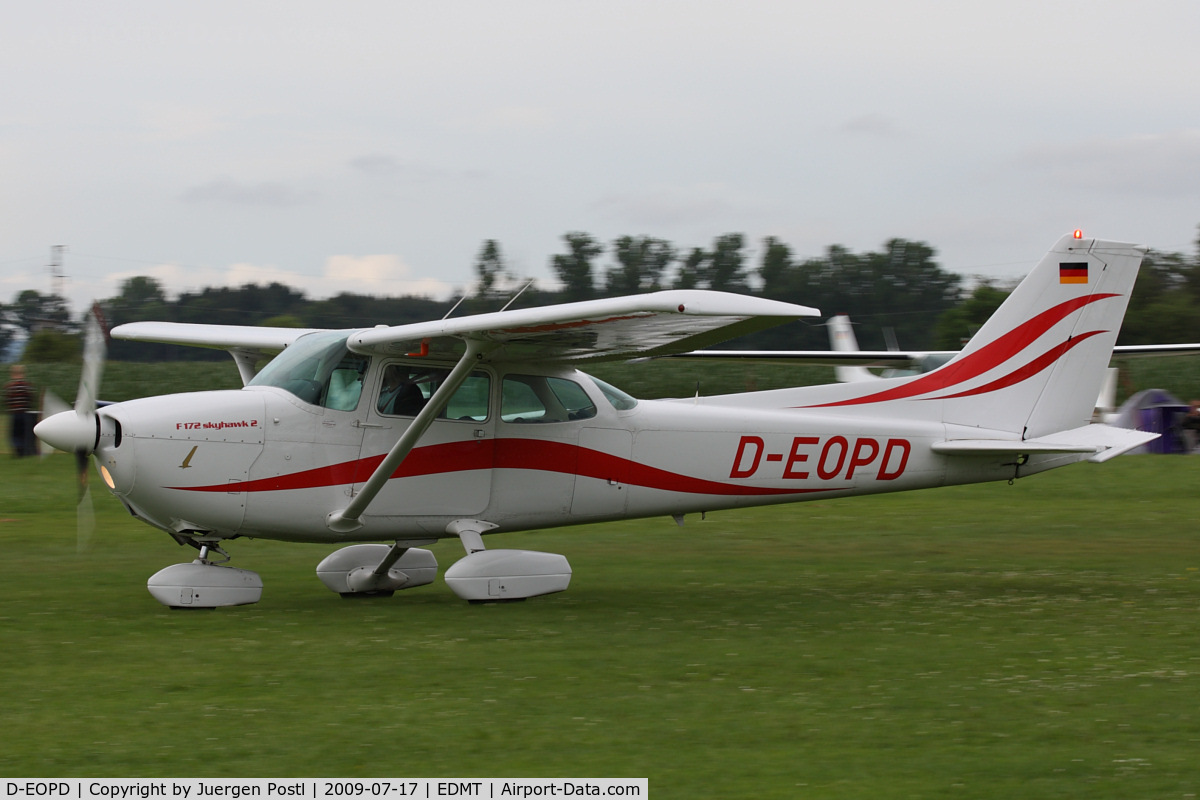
[[1037, 365]]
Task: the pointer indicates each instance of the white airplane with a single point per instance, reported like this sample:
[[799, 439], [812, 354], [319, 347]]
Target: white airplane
[[395, 437]]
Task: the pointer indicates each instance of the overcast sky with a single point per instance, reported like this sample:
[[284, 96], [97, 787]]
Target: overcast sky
[[373, 146]]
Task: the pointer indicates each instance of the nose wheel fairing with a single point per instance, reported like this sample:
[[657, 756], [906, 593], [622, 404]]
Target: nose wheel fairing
[[203, 584]]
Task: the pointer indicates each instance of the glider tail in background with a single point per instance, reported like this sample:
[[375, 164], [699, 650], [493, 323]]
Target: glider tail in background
[[843, 340]]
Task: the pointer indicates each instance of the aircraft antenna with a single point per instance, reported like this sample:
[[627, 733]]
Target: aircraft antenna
[[453, 307], [518, 294]]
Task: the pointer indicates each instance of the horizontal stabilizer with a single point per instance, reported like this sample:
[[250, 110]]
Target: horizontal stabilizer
[[1104, 441]]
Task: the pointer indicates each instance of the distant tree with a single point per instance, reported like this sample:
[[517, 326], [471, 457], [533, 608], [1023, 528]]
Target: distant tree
[[283, 321], [901, 288], [52, 346], [249, 304], [574, 269], [8, 332], [141, 298], [489, 267], [692, 270], [641, 262], [727, 271], [776, 264], [956, 325], [362, 311], [1163, 305], [33, 311]]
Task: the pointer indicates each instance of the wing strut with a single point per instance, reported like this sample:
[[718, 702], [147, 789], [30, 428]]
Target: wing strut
[[347, 520]]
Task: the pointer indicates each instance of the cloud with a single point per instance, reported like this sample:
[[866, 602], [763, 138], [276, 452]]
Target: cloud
[[225, 191], [384, 275], [376, 274], [1160, 164]]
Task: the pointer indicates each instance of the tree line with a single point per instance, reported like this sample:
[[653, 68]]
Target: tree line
[[899, 289]]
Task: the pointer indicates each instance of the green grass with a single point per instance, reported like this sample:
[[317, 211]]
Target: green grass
[[1034, 640]]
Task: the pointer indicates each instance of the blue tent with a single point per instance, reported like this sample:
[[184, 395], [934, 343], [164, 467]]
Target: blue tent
[[1159, 411]]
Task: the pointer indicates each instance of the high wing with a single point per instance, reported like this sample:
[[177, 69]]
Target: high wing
[[246, 343], [655, 324], [221, 337]]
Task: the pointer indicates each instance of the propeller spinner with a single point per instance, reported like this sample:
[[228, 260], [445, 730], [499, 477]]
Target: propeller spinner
[[78, 430]]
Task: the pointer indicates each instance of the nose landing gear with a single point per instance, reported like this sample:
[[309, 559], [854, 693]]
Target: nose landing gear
[[205, 583]]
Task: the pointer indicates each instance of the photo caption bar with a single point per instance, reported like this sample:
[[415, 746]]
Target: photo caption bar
[[320, 788]]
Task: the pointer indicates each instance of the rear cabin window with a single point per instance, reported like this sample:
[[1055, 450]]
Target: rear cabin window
[[537, 399]]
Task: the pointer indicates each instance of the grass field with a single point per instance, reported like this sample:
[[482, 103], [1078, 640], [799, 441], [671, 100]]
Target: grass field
[[1033, 640]]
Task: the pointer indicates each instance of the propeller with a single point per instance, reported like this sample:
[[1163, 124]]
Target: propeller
[[77, 430]]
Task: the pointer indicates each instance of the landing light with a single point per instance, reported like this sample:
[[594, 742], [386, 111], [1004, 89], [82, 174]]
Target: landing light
[[108, 479]]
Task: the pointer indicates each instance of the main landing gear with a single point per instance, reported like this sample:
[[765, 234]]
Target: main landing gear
[[377, 570], [483, 576], [489, 576], [373, 570]]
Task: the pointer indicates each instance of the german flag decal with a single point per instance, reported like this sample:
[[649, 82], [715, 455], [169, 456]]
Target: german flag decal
[[1073, 272]]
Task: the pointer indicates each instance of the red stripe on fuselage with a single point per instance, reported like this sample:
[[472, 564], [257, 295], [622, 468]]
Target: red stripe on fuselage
[[528, 454]]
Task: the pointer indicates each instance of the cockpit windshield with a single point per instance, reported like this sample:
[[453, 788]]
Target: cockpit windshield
[[319, 369], [620, 400]]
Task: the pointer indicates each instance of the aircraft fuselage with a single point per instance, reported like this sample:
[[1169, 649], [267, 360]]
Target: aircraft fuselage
[[262, 462]]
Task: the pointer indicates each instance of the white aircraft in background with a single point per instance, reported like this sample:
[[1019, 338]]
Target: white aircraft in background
[[399, 436]]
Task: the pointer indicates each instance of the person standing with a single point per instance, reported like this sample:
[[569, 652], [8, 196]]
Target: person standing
[[20, 401]]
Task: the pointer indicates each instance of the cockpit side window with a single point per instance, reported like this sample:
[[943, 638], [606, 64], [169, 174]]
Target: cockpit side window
[[535, 398]]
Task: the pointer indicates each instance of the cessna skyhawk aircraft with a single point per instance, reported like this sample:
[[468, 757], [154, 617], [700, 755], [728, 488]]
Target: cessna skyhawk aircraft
[[480, 425]]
